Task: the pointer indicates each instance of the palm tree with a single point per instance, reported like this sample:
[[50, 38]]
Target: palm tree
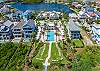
[[21, 41], [42, 32], [56, 35]]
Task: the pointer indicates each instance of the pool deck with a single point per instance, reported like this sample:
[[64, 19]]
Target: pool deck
[[44, 37]]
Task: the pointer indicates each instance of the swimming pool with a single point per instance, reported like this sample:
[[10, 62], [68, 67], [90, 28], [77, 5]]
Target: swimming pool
[[42, 6], [50, 36]]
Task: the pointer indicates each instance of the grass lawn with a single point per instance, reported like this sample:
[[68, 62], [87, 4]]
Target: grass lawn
[[77, 43], [54, 53], [97, 21], [42, 55], [11, 3], [45, 52]]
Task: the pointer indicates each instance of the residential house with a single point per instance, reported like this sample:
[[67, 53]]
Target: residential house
[[74, 4], [5, 9], [28, 28], [74, 30], [73, 16], [90, 9], [54, 16], [98, 15], [96, 33], [97, 1], [16, 16], [91, 12], [5, 30], [82, 16], [28, 14], [42, 15]]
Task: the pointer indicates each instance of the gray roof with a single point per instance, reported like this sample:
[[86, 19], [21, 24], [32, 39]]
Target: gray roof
[[19, 26], [28, 11], [30, 22], [8, 23], [18, 12], [73, 26]]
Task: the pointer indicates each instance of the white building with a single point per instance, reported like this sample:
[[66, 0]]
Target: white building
[[96, 33]]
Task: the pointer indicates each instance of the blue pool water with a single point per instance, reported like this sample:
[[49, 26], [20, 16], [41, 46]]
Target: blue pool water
[[50, 36], [42, 6]]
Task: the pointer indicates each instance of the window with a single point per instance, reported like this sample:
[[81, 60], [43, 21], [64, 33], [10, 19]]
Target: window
[[27, 36], [15, 35], [0, 38], [19, 35]]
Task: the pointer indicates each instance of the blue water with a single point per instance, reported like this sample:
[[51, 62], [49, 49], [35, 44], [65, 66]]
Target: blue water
[[50, 36], [42, 6]]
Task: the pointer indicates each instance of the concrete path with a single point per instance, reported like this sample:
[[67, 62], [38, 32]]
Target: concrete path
[[49, 55]]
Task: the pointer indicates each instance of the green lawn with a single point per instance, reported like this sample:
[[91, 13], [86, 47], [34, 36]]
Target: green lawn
[[39, 59], [54, 53], [97, 21], [77, 43], [18, 58], [45, 53], [11, 3], [6, 52]]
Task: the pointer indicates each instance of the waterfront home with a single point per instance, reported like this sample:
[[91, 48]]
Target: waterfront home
[[73, 16], [74, 4], [42, 15], [50, 15], [78, 6], [1, 5], [98, 15], [82, 15], [28, 14], [5, 9], [97, 1], [96, 33], [92, 15], [5, 30], [90, 10], [54, 16], [28, 28], [82, 18], [17, 15], [74, 30]]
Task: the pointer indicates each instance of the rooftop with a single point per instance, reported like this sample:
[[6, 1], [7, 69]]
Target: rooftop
[[96, 25], [73, 26], [8, 23]]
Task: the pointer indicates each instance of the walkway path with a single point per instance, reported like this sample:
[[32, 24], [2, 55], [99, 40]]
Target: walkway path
[[49, 55], [58, 49]]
